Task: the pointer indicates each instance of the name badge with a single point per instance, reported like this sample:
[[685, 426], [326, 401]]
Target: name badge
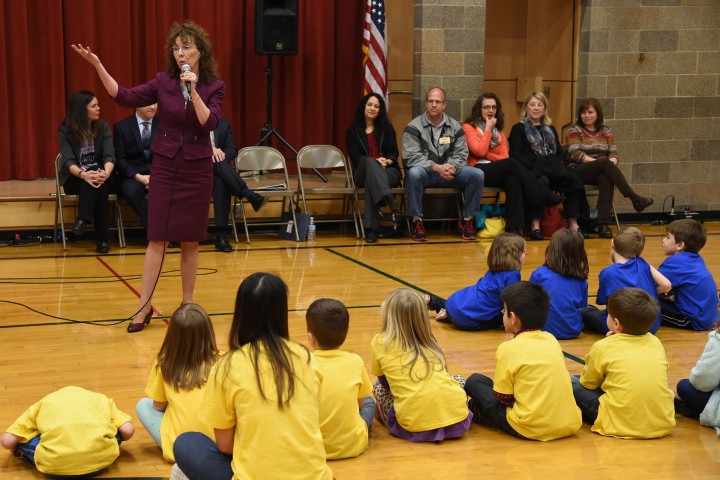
[[444, 141]]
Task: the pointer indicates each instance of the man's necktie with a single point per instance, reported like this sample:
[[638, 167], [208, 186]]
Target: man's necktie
[[145, 135]]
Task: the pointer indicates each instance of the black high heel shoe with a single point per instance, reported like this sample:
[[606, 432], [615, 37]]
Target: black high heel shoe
[[137, 327]]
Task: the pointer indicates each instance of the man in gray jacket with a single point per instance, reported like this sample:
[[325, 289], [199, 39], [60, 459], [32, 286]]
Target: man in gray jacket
[[435, 155]]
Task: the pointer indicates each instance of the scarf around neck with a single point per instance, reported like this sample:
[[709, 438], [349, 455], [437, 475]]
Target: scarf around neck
[[541, 140], [494, 139]]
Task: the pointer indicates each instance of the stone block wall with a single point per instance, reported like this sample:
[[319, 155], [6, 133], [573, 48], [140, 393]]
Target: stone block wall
[[655, 66], [449, 52]]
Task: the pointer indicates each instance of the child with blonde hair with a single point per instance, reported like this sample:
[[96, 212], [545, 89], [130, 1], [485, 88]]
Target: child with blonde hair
[[478, 307], [177, 378], [628, 269], [565, 274], [417, 398]]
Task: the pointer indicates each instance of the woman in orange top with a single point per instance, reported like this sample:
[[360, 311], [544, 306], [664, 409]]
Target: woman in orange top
[[488, 148]]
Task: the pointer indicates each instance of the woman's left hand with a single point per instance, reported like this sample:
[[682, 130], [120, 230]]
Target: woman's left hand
[[189, 76], [614, 160]]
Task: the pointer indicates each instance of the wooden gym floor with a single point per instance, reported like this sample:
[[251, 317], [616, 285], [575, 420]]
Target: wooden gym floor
[[59, 326]]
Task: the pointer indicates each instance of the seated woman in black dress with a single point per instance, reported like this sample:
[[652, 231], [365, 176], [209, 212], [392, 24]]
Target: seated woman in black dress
[[86, 144], [535, 143], [592, 153], [372, 147], [488, 149]]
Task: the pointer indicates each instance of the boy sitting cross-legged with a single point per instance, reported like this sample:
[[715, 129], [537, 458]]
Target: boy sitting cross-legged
[[531, 396], [347, 408], [623, 390]]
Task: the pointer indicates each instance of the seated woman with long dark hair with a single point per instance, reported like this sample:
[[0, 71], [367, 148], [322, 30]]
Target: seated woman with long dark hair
[[86, 144], [372, 147], [489, 152], [535, 143], [592, 153]]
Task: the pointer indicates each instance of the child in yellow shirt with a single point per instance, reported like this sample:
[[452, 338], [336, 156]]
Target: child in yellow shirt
[[70, 432], [177, 378], [347, 408], [623, 390], [531, 395]]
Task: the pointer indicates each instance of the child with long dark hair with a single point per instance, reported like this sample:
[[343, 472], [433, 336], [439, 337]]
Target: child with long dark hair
[[262, 398]]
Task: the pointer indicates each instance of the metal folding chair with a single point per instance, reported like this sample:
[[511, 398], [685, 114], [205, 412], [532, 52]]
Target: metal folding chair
[[274, 185], [340, 182]]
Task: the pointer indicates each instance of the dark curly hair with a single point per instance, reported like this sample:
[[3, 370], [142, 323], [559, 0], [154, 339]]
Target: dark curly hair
[[190, 31], [381, 122]]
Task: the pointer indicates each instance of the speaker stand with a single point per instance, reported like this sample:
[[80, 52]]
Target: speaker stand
[[268, 131]]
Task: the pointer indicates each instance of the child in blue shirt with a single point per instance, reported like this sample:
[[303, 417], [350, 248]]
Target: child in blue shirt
[[693, 301], [629, 269], [564, 274], [478, 307]]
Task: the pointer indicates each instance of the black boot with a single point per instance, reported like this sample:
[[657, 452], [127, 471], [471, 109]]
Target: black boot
[[221, 243], [257, 201], [79, 227]]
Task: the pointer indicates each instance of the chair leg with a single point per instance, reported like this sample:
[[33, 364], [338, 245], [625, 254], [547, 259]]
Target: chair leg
[[62, 221], [617, 221], [244, 218], [232, 220], [120, 225]]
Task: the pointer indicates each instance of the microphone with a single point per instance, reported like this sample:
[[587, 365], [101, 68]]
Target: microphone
[[186, 90]]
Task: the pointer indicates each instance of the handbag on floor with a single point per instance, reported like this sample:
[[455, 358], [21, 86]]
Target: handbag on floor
[[288, 226]]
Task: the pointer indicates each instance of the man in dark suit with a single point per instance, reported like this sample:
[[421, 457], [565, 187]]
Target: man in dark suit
[[227, 182], [132, 140]]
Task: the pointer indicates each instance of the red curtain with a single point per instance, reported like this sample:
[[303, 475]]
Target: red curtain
[[314, 92]]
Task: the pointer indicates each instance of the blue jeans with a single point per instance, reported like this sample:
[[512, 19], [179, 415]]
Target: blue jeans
[[470, 180], [150, 418], [367, 411], [198, 457], [587, 400]]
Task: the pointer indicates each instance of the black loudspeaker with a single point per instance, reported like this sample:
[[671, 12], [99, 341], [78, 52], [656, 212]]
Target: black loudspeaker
[[276, 27]]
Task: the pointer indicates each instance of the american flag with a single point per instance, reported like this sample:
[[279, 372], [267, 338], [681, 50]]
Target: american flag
[[375, 49]]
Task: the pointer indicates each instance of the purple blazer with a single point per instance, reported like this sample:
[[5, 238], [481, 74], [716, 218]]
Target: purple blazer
[[179, 126]]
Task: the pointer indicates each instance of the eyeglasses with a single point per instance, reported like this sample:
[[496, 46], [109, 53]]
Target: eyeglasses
[[489, 107]]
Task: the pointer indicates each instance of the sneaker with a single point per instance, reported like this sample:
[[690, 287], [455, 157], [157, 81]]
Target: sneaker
[[442, 316], [468, 229], [418, 231], [257, 201], [177, 474]]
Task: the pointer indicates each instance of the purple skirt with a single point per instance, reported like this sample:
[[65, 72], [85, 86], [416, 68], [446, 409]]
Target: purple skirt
[[179, 198], [436, 435]]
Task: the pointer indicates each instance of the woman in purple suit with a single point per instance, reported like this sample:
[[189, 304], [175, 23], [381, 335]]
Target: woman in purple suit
[[189, 103]]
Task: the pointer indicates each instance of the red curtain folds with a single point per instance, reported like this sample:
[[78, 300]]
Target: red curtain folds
[[314, 92]]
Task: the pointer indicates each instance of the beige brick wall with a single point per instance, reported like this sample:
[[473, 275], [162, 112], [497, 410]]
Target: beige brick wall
[[449, 52], [655, 66]]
